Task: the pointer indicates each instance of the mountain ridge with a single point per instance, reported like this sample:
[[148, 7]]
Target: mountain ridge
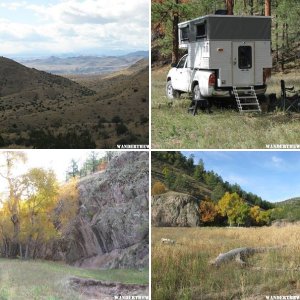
[[85, 64]]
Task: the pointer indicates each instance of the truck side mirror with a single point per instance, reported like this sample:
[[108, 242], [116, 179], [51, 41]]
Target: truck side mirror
[[173, 65]]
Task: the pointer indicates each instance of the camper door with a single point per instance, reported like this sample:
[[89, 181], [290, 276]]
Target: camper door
[[243, 63]]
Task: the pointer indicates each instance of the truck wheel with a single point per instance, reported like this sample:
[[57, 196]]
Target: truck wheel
[[196, 93], [171, 93]]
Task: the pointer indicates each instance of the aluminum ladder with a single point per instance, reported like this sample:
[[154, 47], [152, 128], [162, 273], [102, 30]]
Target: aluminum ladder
[[247, 102]]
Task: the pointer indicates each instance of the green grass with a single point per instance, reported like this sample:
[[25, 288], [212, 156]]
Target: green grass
[[183, 270], [21, 280], [174, 128]]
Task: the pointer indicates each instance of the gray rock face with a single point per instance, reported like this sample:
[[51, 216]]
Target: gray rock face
[[112, 226], [174, 209]]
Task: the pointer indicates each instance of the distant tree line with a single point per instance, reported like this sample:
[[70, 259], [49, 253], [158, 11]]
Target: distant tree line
[[92, 164]]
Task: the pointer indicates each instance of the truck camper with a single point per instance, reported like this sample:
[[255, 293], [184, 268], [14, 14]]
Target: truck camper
[[226, 56]]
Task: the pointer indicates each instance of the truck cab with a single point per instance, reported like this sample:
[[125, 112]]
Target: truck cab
[[182, 79]]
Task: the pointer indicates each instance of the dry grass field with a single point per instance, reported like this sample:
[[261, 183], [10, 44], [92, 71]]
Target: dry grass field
[[174, 128], [183, 270]]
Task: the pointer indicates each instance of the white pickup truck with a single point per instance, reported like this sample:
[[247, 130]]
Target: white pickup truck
[[182, 79], [201, 83]]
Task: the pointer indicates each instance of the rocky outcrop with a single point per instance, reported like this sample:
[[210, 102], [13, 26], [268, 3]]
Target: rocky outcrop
[[174, 209], [111, 229]]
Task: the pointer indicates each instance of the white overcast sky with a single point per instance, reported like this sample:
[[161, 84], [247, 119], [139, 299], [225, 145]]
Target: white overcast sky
[[57, 160], [48, 27]]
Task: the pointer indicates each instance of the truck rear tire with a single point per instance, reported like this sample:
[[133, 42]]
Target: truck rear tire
[[170, 92]]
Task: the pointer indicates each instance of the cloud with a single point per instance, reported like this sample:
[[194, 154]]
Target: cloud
[[76, 26], [277, 162], [276, 159], [13, 5]]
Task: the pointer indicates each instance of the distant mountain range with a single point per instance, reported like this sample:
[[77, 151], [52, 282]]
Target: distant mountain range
[[85, 64]]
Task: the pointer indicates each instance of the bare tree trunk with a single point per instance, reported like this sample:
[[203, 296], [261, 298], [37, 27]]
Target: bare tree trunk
[[175, 49], [240, 255], [27, 251], [283, 47], [287, 43], [268, 14], [276, 37], [267, 8], [229, 7], [35, 246], [20, 249]]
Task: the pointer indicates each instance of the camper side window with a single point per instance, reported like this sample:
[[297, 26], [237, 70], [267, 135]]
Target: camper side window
[[245, 57], [200, 31], [184, 33]]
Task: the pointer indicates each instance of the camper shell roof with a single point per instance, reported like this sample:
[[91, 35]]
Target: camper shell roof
[[225, 27]]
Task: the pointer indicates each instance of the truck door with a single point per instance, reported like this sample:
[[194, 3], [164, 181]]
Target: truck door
[[182, 76], [243, 63]]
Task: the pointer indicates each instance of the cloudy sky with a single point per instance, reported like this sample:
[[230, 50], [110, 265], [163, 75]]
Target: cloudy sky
[[272, 175], [50, 27]]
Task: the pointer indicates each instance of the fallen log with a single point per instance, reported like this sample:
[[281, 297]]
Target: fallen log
[[239, 255], [167, 241]]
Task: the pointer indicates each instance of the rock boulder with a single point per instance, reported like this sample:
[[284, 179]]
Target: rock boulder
[[174, 209]]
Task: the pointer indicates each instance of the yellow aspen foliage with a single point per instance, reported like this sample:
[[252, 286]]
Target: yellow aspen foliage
[[254, 213], [234, 208], [259, 216], [208, 211]]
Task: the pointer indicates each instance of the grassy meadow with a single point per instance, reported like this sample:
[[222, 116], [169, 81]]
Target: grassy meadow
[[22, 280], [183, 270], [174, 128]]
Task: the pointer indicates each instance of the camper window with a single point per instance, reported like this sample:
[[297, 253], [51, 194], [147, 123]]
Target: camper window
[[200, 30], [245, 57], [184, 36]]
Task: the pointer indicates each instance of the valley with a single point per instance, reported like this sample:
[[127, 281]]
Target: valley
[[42, 110]]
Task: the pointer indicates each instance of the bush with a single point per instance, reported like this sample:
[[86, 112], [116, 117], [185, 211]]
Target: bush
[[116, 119], [121, 128], [158, 188]]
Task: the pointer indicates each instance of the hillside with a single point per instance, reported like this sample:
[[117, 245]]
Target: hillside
[[288, 210], [41, 110], [18, 79], [292, 201], [192, 186], [197, 181], [85, 64], [186, 194]]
